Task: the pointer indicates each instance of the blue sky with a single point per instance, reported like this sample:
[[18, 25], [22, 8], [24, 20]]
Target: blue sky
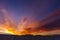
[[37, 8]]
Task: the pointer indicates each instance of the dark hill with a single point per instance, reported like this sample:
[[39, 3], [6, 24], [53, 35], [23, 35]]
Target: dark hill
[[28, 37]]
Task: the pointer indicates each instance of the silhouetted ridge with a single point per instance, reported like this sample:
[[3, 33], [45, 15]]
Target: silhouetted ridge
[[28, 37]]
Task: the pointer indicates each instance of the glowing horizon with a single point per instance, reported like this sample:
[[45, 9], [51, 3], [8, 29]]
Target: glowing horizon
[[20, 17], [26, 26]]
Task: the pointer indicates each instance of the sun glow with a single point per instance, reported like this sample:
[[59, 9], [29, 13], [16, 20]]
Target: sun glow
[[24, 27]]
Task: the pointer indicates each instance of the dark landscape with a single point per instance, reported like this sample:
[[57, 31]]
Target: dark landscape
[[28, 37], [29, 19]]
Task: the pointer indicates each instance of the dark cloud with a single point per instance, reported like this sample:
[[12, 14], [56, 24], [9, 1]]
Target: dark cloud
[[53, 15], [52, 25], [48, 24]]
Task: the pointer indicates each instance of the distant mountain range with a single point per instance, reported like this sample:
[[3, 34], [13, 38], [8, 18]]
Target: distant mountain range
[[28, 37]]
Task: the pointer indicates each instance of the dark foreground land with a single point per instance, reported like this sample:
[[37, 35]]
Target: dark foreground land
[[28, 37]]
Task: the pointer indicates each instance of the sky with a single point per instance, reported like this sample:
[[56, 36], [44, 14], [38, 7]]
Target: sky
[[41, 10], [37, 8]]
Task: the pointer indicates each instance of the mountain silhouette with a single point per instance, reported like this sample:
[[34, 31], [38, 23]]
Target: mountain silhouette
[[28, 37]]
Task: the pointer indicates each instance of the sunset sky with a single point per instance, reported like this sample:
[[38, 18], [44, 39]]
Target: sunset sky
[[36, 9]]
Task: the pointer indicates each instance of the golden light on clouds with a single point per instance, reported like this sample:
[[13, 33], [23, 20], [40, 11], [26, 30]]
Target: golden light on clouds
[[24, 27]]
